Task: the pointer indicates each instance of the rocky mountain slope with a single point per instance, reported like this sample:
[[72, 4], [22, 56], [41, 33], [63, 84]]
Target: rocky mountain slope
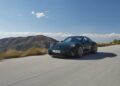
[[24, 43]]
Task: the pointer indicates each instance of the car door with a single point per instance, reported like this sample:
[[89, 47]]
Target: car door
[[86, 44]]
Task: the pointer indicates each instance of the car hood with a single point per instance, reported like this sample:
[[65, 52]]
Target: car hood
[[61, 45]]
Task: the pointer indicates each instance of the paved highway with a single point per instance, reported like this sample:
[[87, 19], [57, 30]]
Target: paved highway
[[101, 69]]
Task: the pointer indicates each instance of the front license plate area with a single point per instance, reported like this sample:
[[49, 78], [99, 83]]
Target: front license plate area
[[56, 51]]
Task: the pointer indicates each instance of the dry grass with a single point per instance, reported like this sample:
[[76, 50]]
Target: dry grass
[[107, 44], [12, 53], [104, 44], [35, 51]]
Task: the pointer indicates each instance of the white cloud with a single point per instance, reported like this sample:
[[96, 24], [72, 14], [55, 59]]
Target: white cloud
[[111, 35], [38, 14], [33, 12], [102, 37], [61, 35]]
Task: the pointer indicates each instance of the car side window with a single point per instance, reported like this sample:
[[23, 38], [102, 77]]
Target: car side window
[[68, 40], [85, 40], [89, 40], [77, 39]]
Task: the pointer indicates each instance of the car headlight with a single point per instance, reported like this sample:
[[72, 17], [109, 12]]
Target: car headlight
[[72, 45]]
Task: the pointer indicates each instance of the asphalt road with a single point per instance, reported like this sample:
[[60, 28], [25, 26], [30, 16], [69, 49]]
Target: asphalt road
[[101, 69]]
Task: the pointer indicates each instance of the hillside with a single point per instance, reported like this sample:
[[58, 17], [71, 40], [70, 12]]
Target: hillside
[[25, 43]]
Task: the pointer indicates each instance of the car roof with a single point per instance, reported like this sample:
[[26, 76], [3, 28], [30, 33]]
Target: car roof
[[78, 36]]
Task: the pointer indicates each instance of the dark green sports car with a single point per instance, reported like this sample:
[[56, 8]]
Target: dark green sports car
[[73, 46]]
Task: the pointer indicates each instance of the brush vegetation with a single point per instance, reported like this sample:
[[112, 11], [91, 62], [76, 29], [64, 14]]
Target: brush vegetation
[[12, 53], [114, 42]]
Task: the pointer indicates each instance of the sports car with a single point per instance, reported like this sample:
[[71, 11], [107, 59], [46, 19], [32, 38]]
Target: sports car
[[73, 46]]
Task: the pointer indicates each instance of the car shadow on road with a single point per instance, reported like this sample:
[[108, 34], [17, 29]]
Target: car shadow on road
[[97, 56]]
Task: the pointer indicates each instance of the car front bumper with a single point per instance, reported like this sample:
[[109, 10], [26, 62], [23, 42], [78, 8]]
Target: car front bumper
[[60, 53]]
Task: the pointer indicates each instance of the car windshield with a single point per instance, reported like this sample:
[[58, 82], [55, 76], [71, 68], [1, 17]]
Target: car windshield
[[73, 39]]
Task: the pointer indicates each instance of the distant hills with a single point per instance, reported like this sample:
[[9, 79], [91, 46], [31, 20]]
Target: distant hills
[[25, 43]]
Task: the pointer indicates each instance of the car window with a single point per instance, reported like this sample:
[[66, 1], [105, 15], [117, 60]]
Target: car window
[[89, 40], [68, 40], [85, 40], [77, 39], [73, 39]]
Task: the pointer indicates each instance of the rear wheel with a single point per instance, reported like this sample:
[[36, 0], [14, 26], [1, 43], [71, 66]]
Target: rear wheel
[[80, 51]]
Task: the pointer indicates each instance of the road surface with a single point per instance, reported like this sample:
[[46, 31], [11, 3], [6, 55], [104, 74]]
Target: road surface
[[101, 69]]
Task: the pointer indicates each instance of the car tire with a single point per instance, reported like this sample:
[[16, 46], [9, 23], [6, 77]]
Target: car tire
[[80, 51]]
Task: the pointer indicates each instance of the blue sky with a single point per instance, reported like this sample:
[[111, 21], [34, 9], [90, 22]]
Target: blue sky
[[73, 16], [67, 16]]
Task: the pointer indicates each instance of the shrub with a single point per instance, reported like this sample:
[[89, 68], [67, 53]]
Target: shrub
[[12, 53], [104, 44], [116, 41], [35, 51]]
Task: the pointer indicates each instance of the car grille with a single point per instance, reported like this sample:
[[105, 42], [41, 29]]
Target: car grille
[[61, 47]]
